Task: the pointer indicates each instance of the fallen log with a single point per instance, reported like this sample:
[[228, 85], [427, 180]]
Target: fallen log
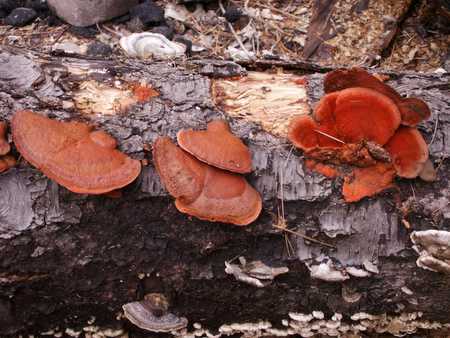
[[70, 261]]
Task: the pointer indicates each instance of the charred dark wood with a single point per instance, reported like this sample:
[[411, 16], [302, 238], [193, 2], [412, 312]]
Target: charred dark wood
[[65, 258]]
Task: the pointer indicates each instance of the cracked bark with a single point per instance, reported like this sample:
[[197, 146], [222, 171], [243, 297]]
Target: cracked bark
[[66, 257]]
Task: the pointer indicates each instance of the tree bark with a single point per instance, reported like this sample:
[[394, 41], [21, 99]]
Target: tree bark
[[65, 258]]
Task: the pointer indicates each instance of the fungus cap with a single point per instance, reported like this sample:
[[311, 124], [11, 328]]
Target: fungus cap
[[149, 316], [408, 151], [369, 181], [362, 114], [307, 134], [217, 146], [4, 145], [412, 110], [203, 191], [82, 160]]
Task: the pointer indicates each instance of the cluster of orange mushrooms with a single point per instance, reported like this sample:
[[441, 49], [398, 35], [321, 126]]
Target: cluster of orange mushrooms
[[363, 130], [204, 177]]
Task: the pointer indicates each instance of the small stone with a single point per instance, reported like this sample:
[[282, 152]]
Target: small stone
[[53, 21], [8, 5], [20, 17], [97, 48], [83, 32], [232, 14], [148, 12], [37, 5], [164, 30], [83, 13], [135, 25]]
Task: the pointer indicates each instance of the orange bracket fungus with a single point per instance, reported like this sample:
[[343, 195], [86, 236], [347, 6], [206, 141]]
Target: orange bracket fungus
[[341, 120], [367, 181], [217, 146], [358, 123], [204, 191], [408, 151], [72, 154], [412, 110], [4, 145]]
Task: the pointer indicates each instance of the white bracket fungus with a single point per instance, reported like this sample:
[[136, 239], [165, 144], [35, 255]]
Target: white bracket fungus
[[433, 247], [146, 45], [255, 273]]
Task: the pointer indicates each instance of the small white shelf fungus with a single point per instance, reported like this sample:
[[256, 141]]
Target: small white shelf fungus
[[146, 45], [255, 273], [433, 247], [307, 325], [355, 272], [151, 314], [328, 272], [371, 267]]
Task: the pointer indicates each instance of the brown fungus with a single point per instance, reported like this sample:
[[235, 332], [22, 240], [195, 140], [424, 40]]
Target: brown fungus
[[72, 154], [412, 110], [204, 191], [151, 314], [4, 145], [217, 146]]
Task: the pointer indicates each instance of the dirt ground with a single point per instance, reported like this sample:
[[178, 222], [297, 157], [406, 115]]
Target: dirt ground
[[402, 35]]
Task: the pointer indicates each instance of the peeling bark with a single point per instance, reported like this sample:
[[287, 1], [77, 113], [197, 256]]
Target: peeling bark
[[66, 257]]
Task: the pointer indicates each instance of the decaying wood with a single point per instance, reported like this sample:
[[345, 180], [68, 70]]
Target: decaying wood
[[66, 257]]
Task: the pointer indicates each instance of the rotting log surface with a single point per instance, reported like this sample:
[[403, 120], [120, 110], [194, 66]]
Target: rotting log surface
[[66, 257]]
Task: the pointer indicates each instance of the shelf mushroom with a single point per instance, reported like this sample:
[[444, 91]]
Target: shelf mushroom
[[368, 181], [217, 146], [151, 314], [71, 153], [408, 151], [359, 123], [412, 110], [350, 115], [341, 126], [204, 191]]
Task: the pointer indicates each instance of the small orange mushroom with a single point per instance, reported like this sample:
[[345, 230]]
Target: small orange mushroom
[[366, 182], [217, 146], [204, 191], [6, 162], [408, 151], [325, 170], [82, 160], [4, 145], [412, 110]]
